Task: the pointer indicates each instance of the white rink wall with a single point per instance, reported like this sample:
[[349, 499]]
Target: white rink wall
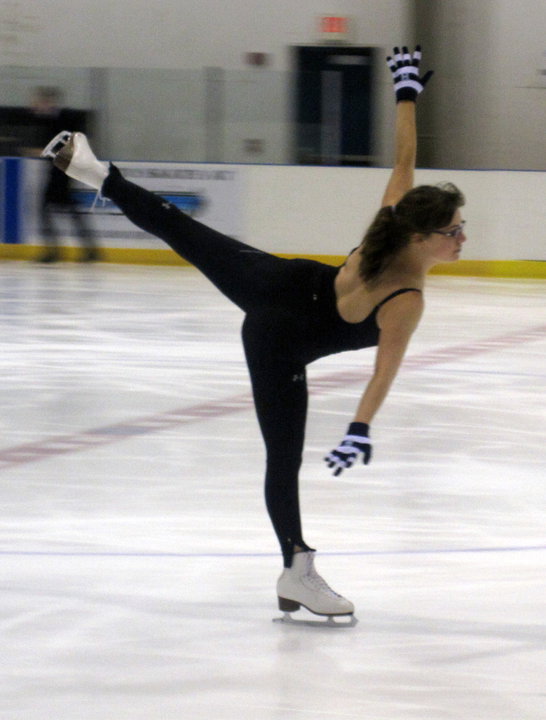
[[324, 211], [320, 211]]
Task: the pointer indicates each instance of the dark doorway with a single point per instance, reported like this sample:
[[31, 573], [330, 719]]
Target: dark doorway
[[334, 105]]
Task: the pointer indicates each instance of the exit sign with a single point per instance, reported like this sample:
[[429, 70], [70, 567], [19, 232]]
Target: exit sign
[[334, 27]]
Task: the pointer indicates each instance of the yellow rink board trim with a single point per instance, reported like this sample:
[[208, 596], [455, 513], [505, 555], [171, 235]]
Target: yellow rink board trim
[[151, 256]]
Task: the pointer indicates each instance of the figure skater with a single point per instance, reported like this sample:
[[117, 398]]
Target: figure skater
[[297, 311]]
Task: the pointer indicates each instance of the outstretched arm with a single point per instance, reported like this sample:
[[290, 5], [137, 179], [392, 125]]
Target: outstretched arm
[[399, 319]]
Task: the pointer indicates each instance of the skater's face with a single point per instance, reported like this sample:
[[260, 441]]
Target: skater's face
[[445, 244]]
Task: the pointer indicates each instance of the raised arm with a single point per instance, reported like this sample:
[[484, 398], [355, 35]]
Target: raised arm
[[407, 86], [401, 179]]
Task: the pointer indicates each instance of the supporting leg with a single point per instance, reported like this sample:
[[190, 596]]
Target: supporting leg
[[280, 397]]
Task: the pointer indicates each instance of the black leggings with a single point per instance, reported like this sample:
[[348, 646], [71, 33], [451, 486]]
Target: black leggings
[[278, 297]]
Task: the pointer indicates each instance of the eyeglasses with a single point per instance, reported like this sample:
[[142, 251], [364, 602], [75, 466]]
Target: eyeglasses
[[457, 230]]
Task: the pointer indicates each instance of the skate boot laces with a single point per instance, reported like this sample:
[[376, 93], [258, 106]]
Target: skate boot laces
[[316, 581]]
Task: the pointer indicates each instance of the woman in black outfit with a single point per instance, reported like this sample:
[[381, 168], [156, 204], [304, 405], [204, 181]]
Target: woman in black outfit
[[297, 311]]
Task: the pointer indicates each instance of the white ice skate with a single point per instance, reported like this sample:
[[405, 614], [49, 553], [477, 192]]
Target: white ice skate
[[302, 585], [71, 154]]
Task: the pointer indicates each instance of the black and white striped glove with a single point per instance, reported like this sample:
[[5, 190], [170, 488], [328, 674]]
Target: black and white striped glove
[[355, 443], [405, 73]]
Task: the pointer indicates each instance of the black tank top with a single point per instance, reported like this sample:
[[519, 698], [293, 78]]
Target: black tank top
[[392, 295], [332, 333]]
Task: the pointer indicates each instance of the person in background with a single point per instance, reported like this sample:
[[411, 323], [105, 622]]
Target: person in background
[[49, 118]]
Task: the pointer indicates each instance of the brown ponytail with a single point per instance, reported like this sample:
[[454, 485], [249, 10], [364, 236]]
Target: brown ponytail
[[421, 210]]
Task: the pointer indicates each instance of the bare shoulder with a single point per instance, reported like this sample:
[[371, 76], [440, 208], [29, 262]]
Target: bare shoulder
[[402, 313]]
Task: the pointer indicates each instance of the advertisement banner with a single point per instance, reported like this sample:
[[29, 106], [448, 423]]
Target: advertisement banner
[[212, 194]]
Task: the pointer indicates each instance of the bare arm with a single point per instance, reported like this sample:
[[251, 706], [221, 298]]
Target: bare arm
[[402, 175], [399, 318], [407, 87]]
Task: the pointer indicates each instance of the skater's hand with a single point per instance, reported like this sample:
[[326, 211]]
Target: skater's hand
[[355, 443], [405, 74]]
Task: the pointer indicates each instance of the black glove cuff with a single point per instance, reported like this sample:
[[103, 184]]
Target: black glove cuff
[[358, 428], [406, 94]]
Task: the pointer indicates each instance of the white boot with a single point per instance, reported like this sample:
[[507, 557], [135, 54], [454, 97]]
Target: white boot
[[302, 585], [71, 154]]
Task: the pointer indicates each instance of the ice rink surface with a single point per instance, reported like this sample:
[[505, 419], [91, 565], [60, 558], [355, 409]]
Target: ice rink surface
[[138, 566]]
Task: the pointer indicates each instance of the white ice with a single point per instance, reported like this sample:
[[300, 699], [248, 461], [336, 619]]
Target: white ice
[[138, 566]]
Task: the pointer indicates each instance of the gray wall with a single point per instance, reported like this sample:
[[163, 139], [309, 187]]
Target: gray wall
[[486, 106], [156, 111], [181, 33]]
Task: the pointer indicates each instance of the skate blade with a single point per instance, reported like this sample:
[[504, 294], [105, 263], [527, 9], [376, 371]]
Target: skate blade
[[58, 142], [337, 621]]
